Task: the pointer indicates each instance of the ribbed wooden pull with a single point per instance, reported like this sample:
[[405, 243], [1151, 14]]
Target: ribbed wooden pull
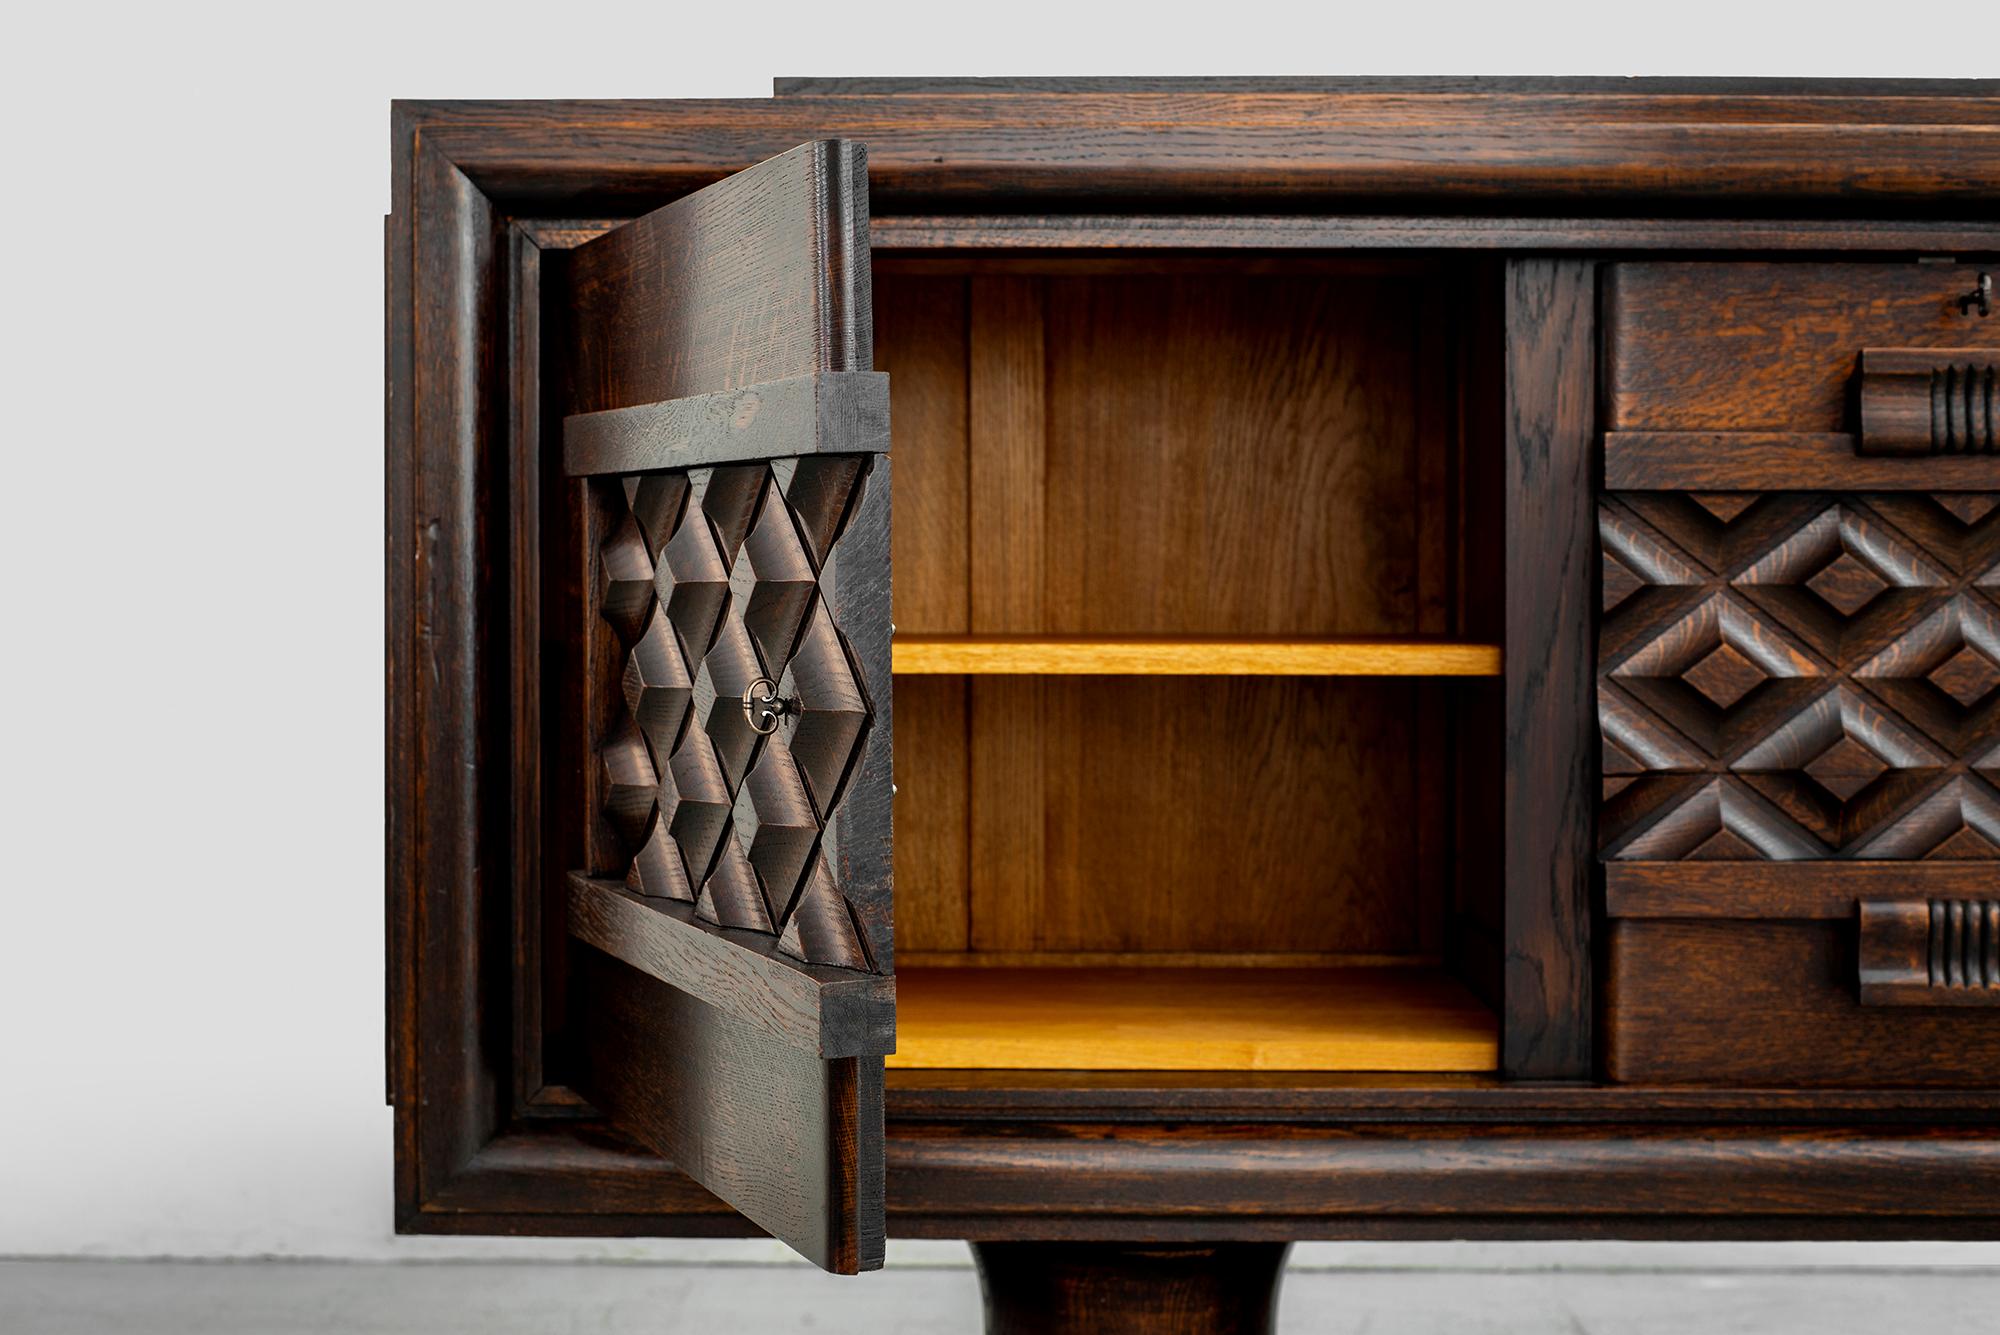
[[1919, 402], [1930, 952]]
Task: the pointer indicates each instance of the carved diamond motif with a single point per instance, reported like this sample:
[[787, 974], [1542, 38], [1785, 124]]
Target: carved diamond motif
[[711, 579], [1845, 768], [1676, 817], [693, 585], [1943, 666], [628, 782], [1966, 845], [1802, 677], [1968, 507], [1846, 584], [1723, 846], [657, 869], [1724, 505], [657, 689], [625, 577], [1967, 676], [1725, 676], [1619, 582]]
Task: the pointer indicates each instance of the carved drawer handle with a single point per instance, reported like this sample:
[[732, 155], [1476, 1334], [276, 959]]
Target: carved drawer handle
[[1919, 402], [1936, 952]]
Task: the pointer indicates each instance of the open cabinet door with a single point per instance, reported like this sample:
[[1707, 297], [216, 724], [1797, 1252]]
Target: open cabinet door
[[733, 993]]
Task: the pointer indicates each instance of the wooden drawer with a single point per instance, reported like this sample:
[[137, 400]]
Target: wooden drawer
[[1703, 1000], [1799, 676], [1738, 376]]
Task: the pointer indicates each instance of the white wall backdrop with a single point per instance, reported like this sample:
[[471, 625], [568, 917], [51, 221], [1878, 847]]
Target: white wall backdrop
[[191, 530]]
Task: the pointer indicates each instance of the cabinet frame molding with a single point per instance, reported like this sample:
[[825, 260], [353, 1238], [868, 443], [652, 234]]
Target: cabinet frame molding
[[482, 192]]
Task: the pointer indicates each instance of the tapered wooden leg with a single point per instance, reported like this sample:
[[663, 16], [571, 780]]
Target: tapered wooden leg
[[1097, 1288]]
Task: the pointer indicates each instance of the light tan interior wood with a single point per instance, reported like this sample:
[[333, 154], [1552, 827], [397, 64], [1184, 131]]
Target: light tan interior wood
[[1130, 655], [1263, 1019], [1159, 959]]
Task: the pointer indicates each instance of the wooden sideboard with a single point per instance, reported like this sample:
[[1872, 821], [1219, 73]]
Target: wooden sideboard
[[1430, 668]]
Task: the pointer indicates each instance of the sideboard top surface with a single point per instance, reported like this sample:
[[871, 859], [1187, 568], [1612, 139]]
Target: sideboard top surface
[[1609, 147]]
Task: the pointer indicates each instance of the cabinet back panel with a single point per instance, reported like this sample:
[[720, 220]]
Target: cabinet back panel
[[931, 814], [1173, 448], [1231, 456], [1148, 815], [1181, 452], [923, 348]]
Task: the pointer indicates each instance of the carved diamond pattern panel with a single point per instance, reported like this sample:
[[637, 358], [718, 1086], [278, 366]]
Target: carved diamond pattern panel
[[1792, 676], [711, 578]]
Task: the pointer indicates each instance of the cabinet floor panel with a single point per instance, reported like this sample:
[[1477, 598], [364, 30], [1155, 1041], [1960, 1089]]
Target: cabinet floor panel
[[1189, 1019]]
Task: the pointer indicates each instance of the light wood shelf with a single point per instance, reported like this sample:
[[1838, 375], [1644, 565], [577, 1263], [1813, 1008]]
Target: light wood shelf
[[1155, 1019], [1158, 959], [1204, 657]]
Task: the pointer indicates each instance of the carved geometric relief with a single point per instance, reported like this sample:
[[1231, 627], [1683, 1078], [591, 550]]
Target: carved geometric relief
[[711, 578], [1791, 676]]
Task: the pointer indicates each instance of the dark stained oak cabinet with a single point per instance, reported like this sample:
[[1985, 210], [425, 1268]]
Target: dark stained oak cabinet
[[1430, 667]]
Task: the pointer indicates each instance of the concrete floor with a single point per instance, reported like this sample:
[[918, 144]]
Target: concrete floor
[[926, 1297]]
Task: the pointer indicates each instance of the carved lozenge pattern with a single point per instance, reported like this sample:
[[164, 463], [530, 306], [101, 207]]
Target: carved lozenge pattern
[[710, 578], [1797, 676]]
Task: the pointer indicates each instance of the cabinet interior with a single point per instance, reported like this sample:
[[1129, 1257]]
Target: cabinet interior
[[1196, 607]]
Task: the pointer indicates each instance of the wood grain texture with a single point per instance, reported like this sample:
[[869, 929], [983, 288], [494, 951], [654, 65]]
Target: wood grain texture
[[537, 935], [1333, 85], [1349, 1099], [573, 1174], [1114, 232], [1773, 1003], [1009, 801], [1917, 402], [1934, 952], [1082, 1180], [777, 1132], [1006, 427], [829, 412], [1691, 1161], [710, 577], [440, 864], [1798, 676], [1123, 1019], [760, 277], [1766, 347], [1445, 1156], [1231, 455], [1109, 413], [1109, 1288], [1773, 460], [1152, 656], [1124, 813], [1789, 890], [920, 342], [902, 238], [1551, 770], [1081, 519], [1476, 785], [1162, 959], [1843, 152], [933, 815], [714, 579], [832, 1012]]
